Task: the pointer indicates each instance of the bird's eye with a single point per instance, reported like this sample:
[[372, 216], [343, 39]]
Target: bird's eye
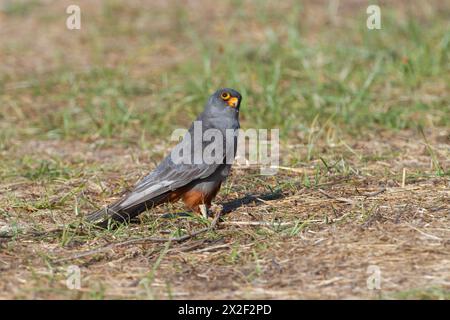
[[225, 95]]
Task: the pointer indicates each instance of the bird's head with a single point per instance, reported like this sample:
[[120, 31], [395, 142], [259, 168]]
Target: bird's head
[[226, 98]]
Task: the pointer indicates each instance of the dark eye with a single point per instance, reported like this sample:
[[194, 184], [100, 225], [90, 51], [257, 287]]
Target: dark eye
[[225, 95]]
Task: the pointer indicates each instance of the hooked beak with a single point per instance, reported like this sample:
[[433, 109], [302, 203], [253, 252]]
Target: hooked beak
[[233, 102]]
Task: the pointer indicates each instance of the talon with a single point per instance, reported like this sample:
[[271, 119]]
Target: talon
[[216, 208], [204, 210]]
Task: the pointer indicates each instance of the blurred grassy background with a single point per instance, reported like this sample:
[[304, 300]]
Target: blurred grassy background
[[85, 113], [138, 69]]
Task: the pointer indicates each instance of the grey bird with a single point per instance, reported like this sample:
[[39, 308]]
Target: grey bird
[[195, 179]]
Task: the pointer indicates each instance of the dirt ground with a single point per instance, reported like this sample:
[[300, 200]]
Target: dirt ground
[[291, 242], [359, 207]]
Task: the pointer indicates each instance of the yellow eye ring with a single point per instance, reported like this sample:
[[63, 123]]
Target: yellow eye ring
[[225, 96]]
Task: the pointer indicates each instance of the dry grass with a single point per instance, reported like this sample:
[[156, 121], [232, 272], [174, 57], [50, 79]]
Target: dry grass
[[82, 121], [317, 240]]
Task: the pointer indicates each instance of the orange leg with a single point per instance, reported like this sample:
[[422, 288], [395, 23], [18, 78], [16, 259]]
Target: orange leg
[[193, 199], [199, 201]]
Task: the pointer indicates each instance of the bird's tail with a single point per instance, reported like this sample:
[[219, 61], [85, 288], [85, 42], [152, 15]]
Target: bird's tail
[[119, 213], [113, 212]]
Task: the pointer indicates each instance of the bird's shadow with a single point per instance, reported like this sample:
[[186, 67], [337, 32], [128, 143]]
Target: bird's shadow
[[256, 199]]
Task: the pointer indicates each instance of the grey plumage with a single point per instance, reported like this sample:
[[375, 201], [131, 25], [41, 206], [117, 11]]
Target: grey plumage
[[168, 176]]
